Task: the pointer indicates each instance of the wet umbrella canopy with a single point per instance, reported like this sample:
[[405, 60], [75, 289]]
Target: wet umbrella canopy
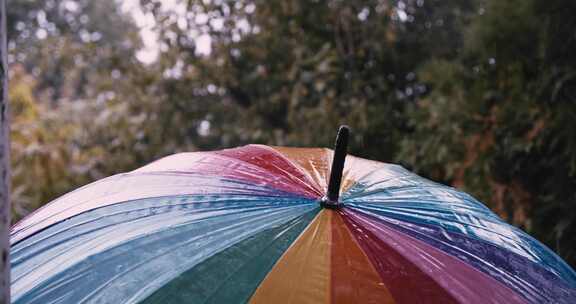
[[258, 224]]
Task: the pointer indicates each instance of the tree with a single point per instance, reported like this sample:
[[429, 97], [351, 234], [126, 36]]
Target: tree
[[70, 61], [289, 72], [69, 46], [501, 115]]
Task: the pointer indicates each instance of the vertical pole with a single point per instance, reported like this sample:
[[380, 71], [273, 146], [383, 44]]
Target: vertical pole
[[340, 150], [4, 164]]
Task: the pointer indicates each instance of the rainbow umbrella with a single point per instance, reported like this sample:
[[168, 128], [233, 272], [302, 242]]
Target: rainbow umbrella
[[265, 224]]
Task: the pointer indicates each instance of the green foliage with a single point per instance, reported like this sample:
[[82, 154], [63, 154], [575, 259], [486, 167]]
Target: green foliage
[[476, 94], [499, 121]]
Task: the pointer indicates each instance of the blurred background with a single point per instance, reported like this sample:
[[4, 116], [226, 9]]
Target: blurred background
[[477, 94]]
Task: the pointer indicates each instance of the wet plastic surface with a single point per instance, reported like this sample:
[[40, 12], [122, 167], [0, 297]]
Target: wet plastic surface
[[123, 257], [354, 278], [302, 275], [232, 275], [244, 225]]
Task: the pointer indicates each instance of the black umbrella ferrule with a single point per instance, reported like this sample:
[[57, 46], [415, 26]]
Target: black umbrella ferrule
[[340, 148]]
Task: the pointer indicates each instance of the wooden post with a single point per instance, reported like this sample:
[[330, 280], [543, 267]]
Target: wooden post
[[4, 164]]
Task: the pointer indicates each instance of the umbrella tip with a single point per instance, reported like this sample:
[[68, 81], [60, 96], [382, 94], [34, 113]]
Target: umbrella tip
[[340, 150]]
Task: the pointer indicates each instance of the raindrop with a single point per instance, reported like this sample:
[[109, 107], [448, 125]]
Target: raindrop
[[364, 13], [410, 76], [41, 34]]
